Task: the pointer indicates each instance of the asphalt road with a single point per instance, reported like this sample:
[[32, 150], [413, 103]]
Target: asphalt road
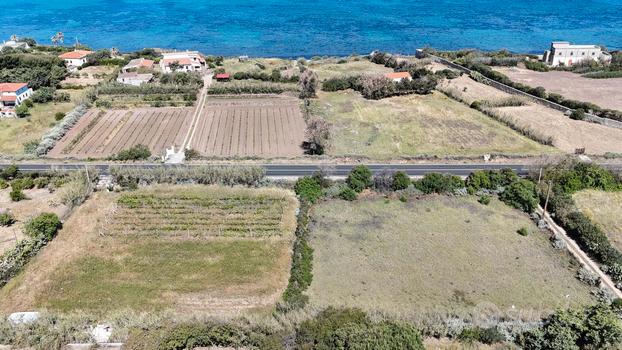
[[296, 170]]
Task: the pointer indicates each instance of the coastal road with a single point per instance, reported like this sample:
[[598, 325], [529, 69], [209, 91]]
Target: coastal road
[[297, 170]]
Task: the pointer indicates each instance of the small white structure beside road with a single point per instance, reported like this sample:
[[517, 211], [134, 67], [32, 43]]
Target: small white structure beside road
[[562, 53], [75, 59], [133, 78]]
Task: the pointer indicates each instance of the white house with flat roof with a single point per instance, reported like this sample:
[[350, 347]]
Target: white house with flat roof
[[75, 59], [562, 53], [11, 96]]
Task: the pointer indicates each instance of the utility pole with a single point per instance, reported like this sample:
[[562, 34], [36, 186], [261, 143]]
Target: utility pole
[[540, 176], [546, 202]]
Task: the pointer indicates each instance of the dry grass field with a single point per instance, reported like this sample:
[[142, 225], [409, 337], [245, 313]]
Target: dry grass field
[[88, 76], [437, 254], [15, 132], [415, 125], [250, 127], [38, 201], [605, 209], [233, 65], [606, 93], [567, 134], [335, 67], [100, 134], [98, 264]]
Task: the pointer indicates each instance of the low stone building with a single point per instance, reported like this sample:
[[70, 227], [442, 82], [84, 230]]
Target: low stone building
[[133, 78], [562, 53]]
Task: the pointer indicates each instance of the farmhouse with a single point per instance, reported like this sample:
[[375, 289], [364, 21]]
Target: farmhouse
[[562, 53], [11, 96], [75, 59], [136, 64], [398, 76], [186, 61], [133, 78]]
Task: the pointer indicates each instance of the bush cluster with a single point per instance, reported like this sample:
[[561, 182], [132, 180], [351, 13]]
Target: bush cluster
[[59, 130], [604, 74], [45, 226], [136, 152], [439, 183], [205, 175], [275, 76], [488, 336], [359, 178], [377, 87], [301, 272], [309, 189], [6, 218], [239, 88], [536, 66]]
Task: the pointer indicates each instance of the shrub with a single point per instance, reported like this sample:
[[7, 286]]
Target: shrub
[[521, 195], [340, 83], [352, 329], [488, 336], [401, 181], [484, 199], [45, 226], [438, 183], [317, 135], [604, 74], [59, 130], [359, 178], [523, 231], [22, 111], [536, 66], [25, 183], [3, 184], [10, 172], [41, 182], [59, 116], [14, 260], [308, 188], [301, 272], [191, 153], [43, 95], [348, 194], [16, 194], [578, 114], [137, 152], [308, 84], [6, 218], [205, 175]]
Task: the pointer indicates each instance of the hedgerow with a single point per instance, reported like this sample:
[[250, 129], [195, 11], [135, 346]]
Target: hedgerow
[[48, 141], [205, 175]]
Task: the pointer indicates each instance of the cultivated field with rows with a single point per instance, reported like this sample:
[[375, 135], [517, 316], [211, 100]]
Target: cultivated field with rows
[[103, 133], [172, 256], [250, 127]]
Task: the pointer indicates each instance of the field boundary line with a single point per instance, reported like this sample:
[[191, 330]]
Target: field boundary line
[[207, 81], [579, 254]]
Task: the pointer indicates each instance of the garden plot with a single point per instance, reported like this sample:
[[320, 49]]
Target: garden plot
[[97, 267], [437, 254], [100, 134], [567, 134], [414, 125], [605, 209], [606, 93], [250, 127]]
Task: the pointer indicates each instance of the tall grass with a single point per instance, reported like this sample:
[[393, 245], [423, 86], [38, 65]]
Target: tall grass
[[205, 175]]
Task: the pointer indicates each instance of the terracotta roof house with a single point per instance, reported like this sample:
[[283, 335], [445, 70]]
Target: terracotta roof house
[[11, 96], [184, 61], [137, 63], [75, 59], [398, 76]]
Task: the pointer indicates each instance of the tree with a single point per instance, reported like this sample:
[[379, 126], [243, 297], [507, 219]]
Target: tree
[[521, 195], [22, 111], [578, 114], [375, 87], [137, 152], [348, 194], [438, 183], [359, 178], [401, 181], [308, 84], [317, 135], [308, 188], [43, 95], [45, 226], [10, 172]]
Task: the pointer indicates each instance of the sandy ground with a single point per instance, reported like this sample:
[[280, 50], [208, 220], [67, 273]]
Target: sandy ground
[[567, 134], [606, 93], [40, 201]]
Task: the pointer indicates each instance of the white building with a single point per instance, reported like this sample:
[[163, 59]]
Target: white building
[[564, 54], [75, 59], [184, 61], [133, 78], [136, 64], [11, 96], [14, 43]]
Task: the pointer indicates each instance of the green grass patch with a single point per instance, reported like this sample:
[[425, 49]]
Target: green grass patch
[[604, 209], [448, 254]]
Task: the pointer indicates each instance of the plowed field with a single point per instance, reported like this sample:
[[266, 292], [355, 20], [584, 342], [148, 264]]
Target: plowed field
[[100, 134], [248, 127]]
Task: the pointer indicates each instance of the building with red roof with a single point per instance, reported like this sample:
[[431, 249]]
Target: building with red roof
[[136, 64], [398, 76], [184, 61], [75, 59], [11, 96], [223, 77]]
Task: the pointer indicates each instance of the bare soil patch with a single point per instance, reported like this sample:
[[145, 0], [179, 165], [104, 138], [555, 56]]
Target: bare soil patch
[[250, 127], [606, 93], [100, 134], [567, 134]]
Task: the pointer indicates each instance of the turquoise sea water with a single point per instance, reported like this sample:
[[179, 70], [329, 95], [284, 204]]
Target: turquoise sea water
[[316, 27]]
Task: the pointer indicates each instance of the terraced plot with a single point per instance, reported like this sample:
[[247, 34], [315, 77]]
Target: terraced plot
[[96, 266], [250, 127], [100, 134]]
